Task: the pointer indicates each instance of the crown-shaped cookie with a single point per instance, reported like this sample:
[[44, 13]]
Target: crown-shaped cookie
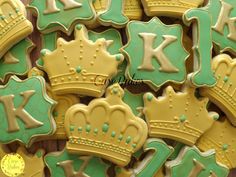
[[132, 9], [80, 66], [223, 94], [106, 128], [174, 8], [178, 116], [13, 24], [221, 137]]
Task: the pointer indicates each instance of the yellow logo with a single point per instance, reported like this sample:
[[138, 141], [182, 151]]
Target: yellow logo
[[12, 165]]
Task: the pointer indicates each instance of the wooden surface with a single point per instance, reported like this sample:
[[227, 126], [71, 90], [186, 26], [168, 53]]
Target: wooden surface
[[52, 145]]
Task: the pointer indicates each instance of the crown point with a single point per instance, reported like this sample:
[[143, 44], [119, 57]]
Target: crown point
[[78, 69], [79, 27], [105, 127], [115, 90], [225, 147], [149, 96]]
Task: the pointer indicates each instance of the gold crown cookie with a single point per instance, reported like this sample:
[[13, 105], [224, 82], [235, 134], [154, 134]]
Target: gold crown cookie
[[80, 66], [223, 94], [173, 8], [106, 128], [13, 24], [221, 137], [178, 116]]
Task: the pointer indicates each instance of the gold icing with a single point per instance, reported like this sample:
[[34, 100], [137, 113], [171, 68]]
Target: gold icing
[[77, 67], [20, 113], [68, 4], [149, 53], [173, 8], [223, 94], [13, 24], [9, 59], [69, 169], [224, 19]]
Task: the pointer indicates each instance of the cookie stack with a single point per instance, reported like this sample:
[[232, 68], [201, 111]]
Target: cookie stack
[[143, 88]]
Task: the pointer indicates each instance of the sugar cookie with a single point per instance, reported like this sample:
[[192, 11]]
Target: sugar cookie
[[106, 128]]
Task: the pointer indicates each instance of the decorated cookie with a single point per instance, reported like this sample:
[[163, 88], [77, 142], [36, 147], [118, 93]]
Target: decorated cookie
[[154, 160], [77, 67], [221, 137], [61, 15], [106, 128], [193, 163], [14, 25], [178, 116], [222, 13], [135, 102], [223, 93], [202, 41], [64, 102], [48, 41], [113, 48], [160, 57], [21, 163], [63, 164], [16, 60], [171, 8], [25, 110], [119, 12]]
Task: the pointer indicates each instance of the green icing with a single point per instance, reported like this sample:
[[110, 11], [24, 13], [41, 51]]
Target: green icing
[[114, 15], [49, 42], [113, 48], [17, 60], [223, 40], [177, 148], [161, 152], [189, 160], [182, 118], [88, 128], [202, 47], [174, 52], [128, 140], [38, 106], [105, 128], [63, 19], [135, 101], [78, 69], [94, 166]]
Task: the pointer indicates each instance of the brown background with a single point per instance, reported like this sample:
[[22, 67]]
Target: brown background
[[52, 145]]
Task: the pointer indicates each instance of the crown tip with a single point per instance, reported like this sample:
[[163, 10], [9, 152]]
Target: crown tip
[[116, 90]]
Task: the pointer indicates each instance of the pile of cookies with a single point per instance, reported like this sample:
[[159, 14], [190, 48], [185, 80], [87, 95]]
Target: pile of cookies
[[143, 88]]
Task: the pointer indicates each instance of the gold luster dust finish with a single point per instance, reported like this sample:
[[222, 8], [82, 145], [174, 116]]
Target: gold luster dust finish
[[12, 165]]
